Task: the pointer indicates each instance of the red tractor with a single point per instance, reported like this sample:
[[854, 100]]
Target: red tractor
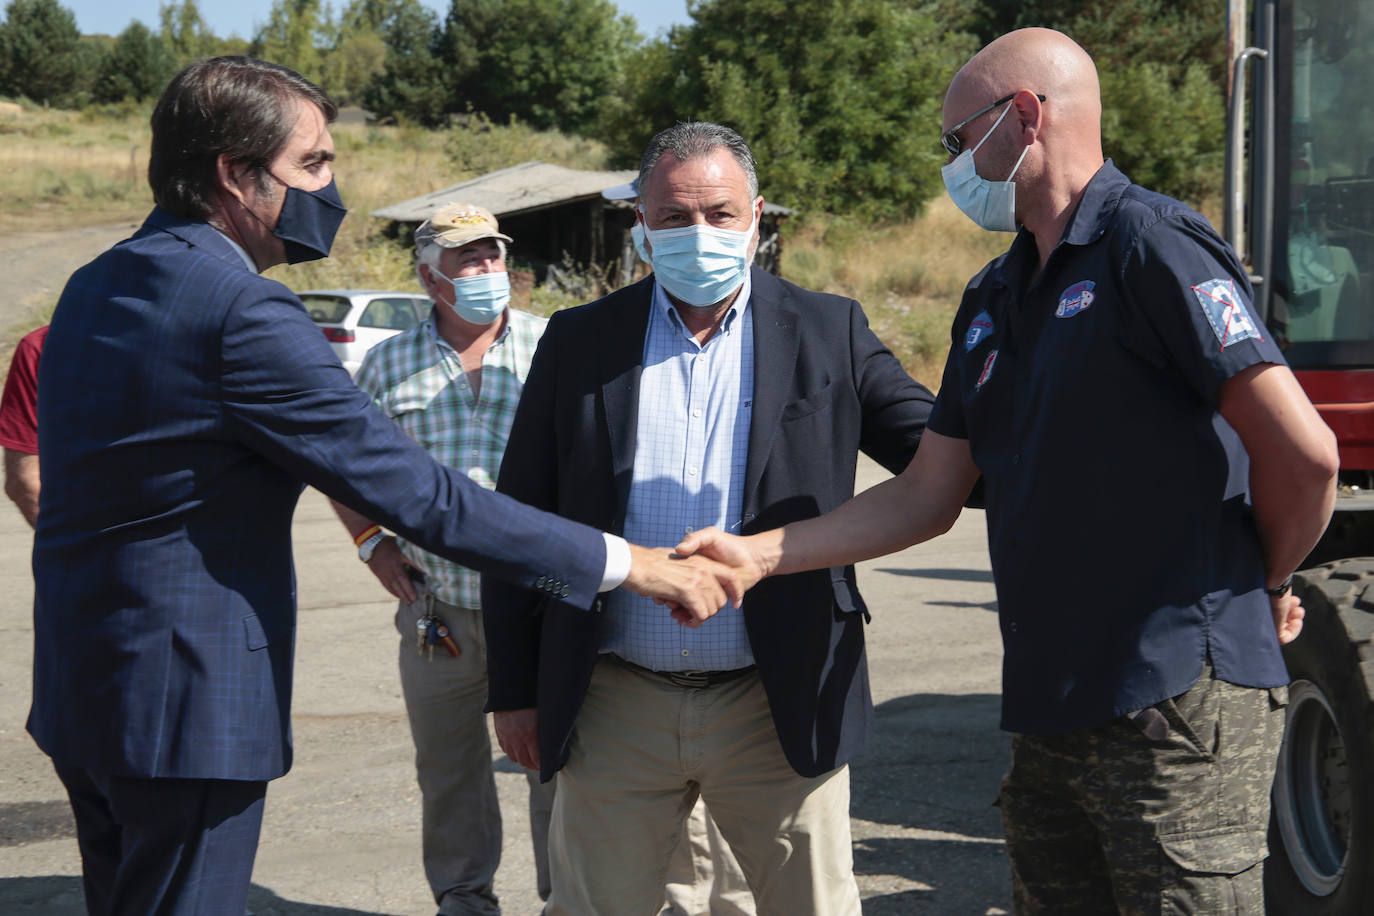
[[1300, 210]]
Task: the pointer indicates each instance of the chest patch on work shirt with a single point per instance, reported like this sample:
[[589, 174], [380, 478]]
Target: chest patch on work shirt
[[987, 371], [1225, 312], [1075, 299], [979, 328]]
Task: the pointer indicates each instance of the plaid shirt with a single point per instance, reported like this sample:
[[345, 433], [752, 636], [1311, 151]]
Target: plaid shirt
[[417, 379]]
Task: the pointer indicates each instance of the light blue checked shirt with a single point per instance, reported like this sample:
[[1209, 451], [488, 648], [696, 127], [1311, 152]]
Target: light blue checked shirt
[[695, 403]]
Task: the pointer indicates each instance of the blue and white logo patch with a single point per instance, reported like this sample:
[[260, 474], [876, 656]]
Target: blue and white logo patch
[[1226, 312], [1075, 299], [980, 328]]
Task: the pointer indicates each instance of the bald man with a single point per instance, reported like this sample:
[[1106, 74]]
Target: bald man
[[1154, 475]]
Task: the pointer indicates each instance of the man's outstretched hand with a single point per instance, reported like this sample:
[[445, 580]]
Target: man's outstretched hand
[[694, 587], [739, 553]]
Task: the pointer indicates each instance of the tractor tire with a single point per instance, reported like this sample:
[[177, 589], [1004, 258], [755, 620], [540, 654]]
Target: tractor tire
[[1321, 830]]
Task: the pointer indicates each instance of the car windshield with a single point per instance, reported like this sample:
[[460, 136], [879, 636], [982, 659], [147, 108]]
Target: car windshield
[[326, 309]]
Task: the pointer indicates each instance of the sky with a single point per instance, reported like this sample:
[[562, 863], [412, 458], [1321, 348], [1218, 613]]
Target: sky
[[228, 17]]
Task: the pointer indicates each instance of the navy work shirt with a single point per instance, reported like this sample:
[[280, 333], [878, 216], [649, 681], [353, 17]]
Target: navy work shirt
[[1123, 543]]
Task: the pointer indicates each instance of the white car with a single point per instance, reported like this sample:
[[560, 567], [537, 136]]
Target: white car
[[355, 320]]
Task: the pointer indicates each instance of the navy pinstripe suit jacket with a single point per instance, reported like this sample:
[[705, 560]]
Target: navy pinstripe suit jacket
[[183, 402]]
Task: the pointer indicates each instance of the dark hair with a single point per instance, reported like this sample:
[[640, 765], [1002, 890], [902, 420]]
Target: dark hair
[[239, 107], [698, 138]]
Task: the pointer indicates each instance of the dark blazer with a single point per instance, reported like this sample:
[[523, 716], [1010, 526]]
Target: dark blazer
[[824, 388], [183, 400]]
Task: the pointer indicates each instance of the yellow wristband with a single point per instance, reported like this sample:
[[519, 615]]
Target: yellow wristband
[[365, 534]]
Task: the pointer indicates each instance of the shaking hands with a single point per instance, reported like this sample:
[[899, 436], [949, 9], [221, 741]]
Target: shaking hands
[[696, 580]]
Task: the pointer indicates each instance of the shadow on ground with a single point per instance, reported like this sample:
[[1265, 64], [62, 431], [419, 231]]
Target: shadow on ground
[[934, 764], [60, 895]]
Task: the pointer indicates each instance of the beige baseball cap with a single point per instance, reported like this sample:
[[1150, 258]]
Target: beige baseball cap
[[456, 224]]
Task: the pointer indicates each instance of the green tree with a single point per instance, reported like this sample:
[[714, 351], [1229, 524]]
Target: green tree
[[412, 82], [550, 63], [840, 101], [295, 34], [39, 55], [1163, 71], [185, 33], [137, 67], [359, 51]]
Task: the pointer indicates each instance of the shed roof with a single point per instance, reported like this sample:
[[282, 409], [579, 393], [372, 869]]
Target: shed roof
[[520, 189]]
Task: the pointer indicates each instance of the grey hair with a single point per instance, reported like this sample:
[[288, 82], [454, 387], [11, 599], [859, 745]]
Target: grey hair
[[691, 139], [429, 252]]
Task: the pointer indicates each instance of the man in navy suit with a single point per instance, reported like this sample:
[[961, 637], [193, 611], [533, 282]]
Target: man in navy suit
[[185, 400], [709, 393]]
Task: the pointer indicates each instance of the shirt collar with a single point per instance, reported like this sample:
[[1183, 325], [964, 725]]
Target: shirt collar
[[1097, 206], [242, 252], [432, 323], [1089, 221], [664, 306]]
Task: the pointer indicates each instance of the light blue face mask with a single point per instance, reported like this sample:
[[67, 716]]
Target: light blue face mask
[[481, 298], [700, 265], [990, 204], [637, 234]]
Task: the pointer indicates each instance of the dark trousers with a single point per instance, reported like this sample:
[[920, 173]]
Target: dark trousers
[[164, 847], [1133, 819]]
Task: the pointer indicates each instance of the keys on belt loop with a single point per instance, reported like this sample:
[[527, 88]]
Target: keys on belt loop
[[431, 631]]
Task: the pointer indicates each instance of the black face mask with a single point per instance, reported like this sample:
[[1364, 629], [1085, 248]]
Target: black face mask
[[309, 221]]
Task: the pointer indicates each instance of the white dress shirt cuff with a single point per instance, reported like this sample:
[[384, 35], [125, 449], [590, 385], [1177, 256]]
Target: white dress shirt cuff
[[617, 562]]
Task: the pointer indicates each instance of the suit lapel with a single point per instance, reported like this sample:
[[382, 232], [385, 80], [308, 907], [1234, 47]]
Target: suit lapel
[[775, 359], [621, 358]]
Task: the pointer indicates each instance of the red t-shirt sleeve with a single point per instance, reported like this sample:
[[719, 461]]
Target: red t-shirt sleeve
[[19, 403]]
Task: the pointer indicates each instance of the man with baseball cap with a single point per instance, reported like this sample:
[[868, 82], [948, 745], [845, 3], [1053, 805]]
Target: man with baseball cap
[[452, 383]]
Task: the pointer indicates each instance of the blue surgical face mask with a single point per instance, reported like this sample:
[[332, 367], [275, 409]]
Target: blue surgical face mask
[[990, 204], [637, 234], [700, 265], [481, 298], [309, 221]]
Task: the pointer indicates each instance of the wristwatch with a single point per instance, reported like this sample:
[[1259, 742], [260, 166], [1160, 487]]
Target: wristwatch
[[1281, 589], [366, 548]]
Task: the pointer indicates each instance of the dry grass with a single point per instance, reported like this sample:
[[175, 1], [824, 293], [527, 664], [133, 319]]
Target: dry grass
[[908, 276], [54, 164]]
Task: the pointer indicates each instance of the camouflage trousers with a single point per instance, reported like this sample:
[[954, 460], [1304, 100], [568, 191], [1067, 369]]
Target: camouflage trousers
[[1158, 814]]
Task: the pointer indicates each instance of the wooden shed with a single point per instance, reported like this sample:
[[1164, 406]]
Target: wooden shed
[[559, 219]]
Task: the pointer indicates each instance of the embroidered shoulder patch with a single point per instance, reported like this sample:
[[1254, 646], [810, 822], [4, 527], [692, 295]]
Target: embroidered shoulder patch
[[1225, 312], [1075, 299], [987, 371], [978, 329]]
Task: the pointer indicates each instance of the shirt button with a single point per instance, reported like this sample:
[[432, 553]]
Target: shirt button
[[696, 412], [1016, 459], [474, 453], [686, 652], [691, 472]]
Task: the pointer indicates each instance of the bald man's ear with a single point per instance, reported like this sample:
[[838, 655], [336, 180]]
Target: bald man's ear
[[1030, 111]]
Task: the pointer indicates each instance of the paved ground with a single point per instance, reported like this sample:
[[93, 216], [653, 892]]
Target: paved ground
[[341, 833]]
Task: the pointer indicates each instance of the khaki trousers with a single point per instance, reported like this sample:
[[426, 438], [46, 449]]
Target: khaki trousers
[[704, 878], [643, 751], [461, 817]]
